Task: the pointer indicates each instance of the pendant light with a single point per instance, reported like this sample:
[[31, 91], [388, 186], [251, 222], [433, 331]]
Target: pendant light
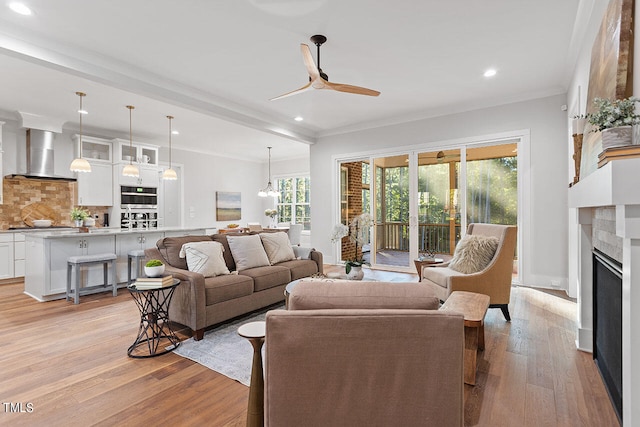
[[80, 164], [169, 174], [268, 190], [130, 169]]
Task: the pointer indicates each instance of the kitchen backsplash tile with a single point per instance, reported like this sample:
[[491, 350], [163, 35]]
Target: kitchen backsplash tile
[[61, 196]]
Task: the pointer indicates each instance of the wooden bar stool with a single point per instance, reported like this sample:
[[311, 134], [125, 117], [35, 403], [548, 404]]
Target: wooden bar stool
[[134, 256], [106, 260]]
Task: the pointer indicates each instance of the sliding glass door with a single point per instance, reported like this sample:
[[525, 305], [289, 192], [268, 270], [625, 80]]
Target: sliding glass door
[[421, 202], [438, 228]]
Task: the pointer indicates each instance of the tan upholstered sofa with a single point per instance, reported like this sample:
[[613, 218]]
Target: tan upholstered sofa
[[363, 353], [200, 302]]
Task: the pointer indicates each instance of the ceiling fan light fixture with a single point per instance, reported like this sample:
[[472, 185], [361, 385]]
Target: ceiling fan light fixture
[[80, 164]]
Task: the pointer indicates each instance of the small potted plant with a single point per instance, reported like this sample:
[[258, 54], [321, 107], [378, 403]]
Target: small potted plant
[[615, 119], [78, 216], [154, 268]]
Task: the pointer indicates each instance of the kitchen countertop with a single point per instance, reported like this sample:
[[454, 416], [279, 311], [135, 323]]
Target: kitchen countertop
[[99, 231]]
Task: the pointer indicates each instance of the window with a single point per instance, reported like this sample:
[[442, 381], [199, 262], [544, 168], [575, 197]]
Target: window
[[293, 204]]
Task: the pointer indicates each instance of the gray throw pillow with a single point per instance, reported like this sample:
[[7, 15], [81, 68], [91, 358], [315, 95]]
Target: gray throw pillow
[[205, 258], [473, 253], [247, 251], [277, 246]]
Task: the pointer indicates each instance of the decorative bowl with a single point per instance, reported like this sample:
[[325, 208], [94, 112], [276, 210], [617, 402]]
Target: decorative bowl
[[42, 223], [233, 226], [155, 271]]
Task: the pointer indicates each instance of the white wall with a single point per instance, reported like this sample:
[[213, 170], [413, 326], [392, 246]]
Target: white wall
[[205, 174], [543, 222], [578, 91]]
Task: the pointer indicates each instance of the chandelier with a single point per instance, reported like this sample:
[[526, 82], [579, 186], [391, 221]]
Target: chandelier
[[80, 164], [268, 190]]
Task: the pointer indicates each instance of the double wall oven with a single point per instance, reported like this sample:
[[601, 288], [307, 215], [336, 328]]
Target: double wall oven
[[139, 207]]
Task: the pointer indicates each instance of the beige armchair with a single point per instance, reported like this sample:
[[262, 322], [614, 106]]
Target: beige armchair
[[363, 353], [494, 280]]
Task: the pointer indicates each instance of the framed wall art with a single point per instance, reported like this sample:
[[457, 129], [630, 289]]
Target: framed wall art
[[228, 206], [610, 75]]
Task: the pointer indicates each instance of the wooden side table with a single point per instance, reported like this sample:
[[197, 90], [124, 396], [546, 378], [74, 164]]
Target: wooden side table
[[474, 307], [254, 332], [420, 262]]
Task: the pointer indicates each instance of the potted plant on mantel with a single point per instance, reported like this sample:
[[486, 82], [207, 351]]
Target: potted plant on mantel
[[615, 119]]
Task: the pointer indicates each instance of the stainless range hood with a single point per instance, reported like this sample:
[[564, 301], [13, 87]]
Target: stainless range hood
[[40, 156]]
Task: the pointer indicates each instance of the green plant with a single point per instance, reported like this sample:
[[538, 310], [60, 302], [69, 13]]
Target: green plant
[[271, 213], [153, 263], [79, 214], [611, 114]]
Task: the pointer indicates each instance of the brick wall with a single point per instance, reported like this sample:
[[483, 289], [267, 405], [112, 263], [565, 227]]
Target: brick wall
[[354, 205]]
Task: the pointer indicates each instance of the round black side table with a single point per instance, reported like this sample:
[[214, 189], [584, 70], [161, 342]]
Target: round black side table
[[155, 331]]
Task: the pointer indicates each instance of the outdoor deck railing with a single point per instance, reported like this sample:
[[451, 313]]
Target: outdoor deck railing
[[435, 237]]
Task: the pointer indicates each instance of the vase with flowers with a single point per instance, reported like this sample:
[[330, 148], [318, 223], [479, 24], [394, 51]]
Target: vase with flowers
[[615, 119], [272, 213], [357, 231]]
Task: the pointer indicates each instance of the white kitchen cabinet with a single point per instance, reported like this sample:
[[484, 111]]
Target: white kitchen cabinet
[[126, 242], [136, 153], [96, 187], [18, 254], [62, 249], [6, 256], [149, 176], [46, 278]]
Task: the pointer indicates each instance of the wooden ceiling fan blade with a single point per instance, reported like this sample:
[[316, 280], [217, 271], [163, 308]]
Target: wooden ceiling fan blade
[[293, 92], [309, 63], [351, 89]]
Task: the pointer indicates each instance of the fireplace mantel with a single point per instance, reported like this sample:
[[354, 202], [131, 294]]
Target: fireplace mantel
[[615, 184]]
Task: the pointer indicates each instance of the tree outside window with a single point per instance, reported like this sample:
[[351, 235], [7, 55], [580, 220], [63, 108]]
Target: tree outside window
[[293, 205]]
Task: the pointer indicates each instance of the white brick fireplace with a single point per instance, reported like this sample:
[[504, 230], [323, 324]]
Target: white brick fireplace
[[615, 186]]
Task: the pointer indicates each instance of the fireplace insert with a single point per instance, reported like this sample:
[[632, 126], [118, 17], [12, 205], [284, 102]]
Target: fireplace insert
[[607, 324]]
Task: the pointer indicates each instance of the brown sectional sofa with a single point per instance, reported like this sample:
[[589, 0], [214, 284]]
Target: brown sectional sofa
[[201, 302]]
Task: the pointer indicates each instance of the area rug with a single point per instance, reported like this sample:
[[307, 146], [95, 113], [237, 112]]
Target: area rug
[[223, 350]]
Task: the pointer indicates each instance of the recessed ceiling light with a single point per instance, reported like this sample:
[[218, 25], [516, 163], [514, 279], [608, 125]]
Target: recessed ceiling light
[[490, 72], [20, 8], [175, 132], [83, 112], [298, 118]]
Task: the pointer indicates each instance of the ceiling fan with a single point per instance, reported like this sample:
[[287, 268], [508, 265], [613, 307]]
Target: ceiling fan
[[318, 79]]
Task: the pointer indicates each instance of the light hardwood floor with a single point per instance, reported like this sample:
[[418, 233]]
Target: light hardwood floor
[[70, 363]]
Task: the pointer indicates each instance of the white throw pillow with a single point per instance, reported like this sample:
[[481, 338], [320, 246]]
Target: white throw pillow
[[277, 247], [205, 258], [247, 251], [473, 253]]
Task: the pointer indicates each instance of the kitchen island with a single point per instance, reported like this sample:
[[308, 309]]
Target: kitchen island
[[46, 254]]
